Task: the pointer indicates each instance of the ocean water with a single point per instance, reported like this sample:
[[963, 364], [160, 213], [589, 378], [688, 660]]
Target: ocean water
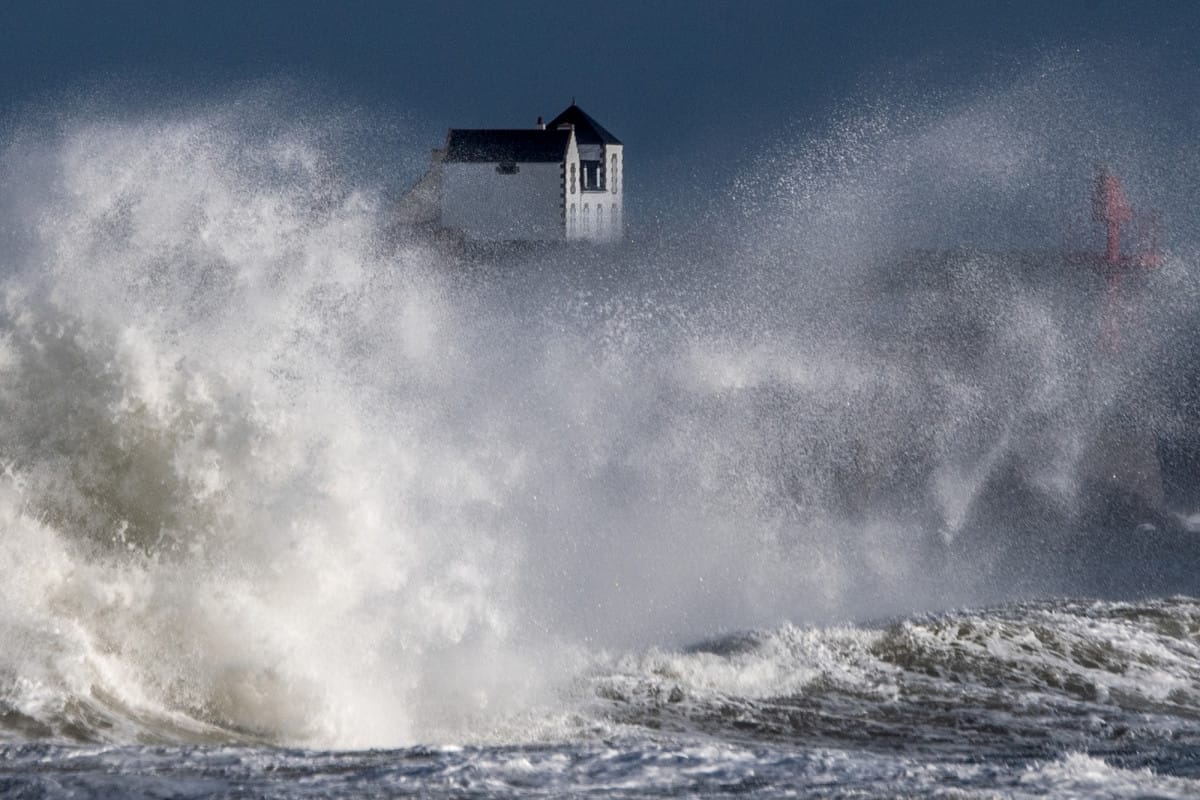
[[1058, 698], [826, 494]]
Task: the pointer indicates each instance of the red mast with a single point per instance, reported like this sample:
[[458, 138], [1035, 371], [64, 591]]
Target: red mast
[[1111, 208]]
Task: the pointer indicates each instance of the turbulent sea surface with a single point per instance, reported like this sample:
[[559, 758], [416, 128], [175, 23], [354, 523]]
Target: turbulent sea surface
[[827, 492], [1069, 699]]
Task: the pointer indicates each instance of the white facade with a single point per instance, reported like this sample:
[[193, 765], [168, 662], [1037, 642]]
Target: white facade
[[494, 201], [597, 213]]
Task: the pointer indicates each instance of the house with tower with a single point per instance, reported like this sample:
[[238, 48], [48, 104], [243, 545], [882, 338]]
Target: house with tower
[[561, 180]]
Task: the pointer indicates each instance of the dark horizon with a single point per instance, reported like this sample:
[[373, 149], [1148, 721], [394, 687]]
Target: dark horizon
[[679, 83]]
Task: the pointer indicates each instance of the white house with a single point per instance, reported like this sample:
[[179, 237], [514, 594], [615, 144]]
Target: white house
[[562, 180]]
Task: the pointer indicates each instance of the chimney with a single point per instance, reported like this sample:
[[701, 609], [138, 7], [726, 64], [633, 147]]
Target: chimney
[[541, 126]]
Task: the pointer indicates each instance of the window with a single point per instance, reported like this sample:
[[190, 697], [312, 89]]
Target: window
[[507, 169], [599, 219], [612, 174], [571, 221], [593, 176], [587, 219], [572, 177]]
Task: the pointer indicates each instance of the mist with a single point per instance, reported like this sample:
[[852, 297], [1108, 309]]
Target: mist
[[249, 425]]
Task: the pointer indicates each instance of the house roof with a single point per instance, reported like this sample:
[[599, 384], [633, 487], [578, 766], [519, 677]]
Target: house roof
[[587, 130], [518, 146]]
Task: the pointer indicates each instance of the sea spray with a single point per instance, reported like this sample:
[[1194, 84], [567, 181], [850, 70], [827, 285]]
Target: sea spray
[[276, 471], [192, 420]]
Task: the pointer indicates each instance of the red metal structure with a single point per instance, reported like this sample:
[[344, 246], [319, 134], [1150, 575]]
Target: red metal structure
[[1111, 208]]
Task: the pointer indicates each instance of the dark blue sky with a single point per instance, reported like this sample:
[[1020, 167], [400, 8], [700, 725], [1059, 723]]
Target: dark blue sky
[[700, 71]]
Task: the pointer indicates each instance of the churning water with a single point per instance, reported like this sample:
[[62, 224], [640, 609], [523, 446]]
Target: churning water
[[280, 482]]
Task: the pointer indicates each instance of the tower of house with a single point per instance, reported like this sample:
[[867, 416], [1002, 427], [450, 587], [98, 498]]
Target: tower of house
[[562, 180], [595, 187]]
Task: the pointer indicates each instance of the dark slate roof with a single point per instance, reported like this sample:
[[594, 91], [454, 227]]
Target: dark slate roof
[[521, 146], [587, 130]]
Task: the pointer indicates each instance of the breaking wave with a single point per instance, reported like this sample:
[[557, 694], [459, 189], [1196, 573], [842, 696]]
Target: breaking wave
[[273, 470], [1048, 677]]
